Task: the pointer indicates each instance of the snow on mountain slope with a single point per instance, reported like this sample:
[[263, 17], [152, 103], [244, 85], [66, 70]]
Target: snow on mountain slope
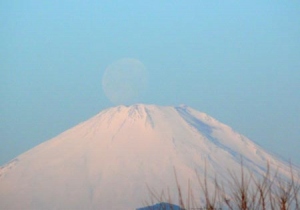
[[111, 160]]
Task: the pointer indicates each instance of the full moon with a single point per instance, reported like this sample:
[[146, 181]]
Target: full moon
[[124, 81]]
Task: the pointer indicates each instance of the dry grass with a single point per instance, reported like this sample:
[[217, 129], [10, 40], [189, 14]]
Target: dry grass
[[245, 192]]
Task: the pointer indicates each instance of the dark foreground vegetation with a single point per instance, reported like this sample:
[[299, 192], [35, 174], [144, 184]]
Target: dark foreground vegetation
[[244, 191]]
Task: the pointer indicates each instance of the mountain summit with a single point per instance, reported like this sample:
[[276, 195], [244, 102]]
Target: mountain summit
[[113, 160]]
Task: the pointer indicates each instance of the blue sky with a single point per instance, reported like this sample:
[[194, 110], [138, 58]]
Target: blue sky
[[238, 61]]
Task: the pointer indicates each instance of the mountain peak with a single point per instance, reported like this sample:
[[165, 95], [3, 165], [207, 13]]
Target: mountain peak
[[121, 115]]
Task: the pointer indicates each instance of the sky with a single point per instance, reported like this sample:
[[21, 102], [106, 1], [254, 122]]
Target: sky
[[238, 61]]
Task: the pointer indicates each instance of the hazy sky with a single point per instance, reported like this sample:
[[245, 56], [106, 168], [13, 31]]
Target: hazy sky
[[238, 61]]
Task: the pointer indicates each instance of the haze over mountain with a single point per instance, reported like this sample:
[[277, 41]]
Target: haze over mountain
[[112, 160]]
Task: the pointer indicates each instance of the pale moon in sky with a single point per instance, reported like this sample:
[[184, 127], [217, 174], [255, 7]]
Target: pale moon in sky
[[124, 81]]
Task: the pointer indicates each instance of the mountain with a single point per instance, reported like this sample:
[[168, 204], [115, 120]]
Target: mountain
[[116, 159]]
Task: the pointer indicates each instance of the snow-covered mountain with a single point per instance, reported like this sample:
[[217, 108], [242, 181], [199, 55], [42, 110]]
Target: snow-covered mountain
[[113, 160]]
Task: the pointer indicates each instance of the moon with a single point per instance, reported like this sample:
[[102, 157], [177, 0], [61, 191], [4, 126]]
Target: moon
[[124, 81]]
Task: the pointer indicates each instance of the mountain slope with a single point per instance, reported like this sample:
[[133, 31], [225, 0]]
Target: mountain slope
[[113, 160]]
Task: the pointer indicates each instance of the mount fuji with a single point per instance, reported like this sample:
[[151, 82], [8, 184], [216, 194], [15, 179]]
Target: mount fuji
[[113, 160]]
